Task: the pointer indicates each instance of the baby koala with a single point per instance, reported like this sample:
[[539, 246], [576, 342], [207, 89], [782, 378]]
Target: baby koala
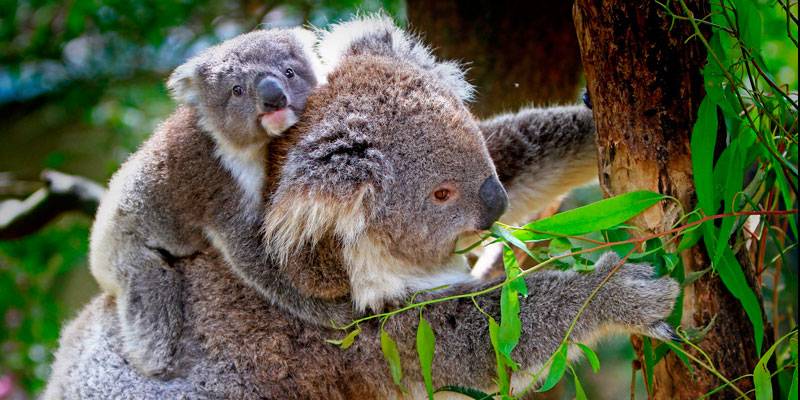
[[198, 179]]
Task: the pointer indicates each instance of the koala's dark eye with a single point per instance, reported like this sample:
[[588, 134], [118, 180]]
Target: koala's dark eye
[[289, 73], [237, 90], [441, 194]]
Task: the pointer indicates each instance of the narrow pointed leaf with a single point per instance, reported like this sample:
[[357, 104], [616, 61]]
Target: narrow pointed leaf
[[426, 342], [392, 356], [557, 369], [604, 214], [591, 356]]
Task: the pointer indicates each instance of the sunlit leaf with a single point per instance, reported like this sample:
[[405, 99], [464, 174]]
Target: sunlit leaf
[[594, 217]]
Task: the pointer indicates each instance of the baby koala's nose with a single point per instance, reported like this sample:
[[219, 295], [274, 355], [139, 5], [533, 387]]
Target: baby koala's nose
[[271, 94]]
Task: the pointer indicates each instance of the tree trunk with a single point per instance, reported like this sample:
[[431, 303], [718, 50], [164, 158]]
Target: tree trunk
[[644, 80], [517, 53]]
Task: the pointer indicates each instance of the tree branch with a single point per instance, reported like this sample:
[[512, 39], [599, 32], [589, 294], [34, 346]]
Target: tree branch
[[62, 193]]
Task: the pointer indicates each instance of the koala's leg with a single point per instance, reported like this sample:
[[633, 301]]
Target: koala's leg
[[632, 301], [150, 311]]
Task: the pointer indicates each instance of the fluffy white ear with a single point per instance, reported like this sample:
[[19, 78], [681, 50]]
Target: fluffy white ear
[[308, 39], [182, 83], [378, 35]]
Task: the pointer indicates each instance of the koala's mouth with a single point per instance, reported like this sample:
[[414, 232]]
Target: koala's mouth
[[275, 122]]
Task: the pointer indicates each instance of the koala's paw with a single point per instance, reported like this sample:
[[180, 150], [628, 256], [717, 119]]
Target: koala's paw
[[637, 300]]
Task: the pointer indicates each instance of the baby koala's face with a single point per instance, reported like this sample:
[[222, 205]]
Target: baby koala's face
[[251, 87]]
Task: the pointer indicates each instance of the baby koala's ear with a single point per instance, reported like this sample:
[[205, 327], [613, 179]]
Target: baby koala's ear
[[378, 35], [182, 83], [327, 187]]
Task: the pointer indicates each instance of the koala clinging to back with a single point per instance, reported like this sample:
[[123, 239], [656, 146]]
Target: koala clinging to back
[[199, 178]]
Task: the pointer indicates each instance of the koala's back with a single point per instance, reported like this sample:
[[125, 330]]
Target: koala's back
[[159, 198]]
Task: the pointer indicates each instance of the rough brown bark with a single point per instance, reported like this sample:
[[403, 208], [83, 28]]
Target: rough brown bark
[[518, 53], [645, 83]]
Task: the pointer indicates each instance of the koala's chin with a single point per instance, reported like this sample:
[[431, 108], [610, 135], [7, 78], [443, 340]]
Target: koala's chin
[[276, 122]]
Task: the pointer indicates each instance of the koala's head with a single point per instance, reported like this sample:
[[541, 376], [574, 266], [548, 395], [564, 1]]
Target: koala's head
[[251, 86], [388, 160]]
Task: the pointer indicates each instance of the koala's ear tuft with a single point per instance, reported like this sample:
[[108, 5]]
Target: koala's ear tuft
[[182, 83], [327, 187], [308, 41], [378, 35]]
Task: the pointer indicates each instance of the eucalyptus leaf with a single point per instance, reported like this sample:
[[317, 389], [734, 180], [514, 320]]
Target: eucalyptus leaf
[[591, 356], [557, 369], [426, 343], [392, 356], [597, 216]]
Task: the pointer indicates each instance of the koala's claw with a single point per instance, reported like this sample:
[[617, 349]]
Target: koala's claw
[[663, 331]]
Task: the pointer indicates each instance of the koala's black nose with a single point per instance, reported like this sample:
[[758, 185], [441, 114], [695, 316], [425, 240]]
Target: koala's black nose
[[495, 200], [271, 94]]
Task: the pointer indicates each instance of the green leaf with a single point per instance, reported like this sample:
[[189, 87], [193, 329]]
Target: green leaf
[[426, 343], [604, 214], [557, 369], [580, 394], [704, 137], [392, 356], [671, 261], [793, 387], [749, 21], [649, 363], [590, 355], [346, 341], [466, 391], [510, 323], [508, 237], [728, 174], [513, 271], [502, 373], [730, 271], [761, 375]]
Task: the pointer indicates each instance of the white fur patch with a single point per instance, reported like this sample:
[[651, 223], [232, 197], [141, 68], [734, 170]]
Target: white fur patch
[[300, 219], [376, 277], [342, 39], [247, 165], [308, 39]]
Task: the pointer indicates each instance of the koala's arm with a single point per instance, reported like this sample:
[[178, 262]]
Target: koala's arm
[[631, 300], [540, 154]]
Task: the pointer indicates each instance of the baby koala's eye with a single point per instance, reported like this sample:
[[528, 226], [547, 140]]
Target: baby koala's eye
[[444, 193], [237, 90], [289, 73]]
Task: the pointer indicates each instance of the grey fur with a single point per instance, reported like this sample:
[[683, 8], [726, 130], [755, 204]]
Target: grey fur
[[199, 176], [242, 341]]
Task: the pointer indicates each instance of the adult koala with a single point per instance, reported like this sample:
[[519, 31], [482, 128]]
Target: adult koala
[[385, 172]]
